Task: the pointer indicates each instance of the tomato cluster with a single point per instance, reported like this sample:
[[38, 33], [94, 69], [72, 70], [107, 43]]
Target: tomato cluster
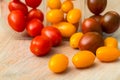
[[107, 23], [63, 20], [92, 40], [20, 19], [62, 15]]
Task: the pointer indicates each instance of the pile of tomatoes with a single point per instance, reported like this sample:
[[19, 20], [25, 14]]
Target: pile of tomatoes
[[62, 15], [94, 27], [20, 19], [92, 36], [64, 21]]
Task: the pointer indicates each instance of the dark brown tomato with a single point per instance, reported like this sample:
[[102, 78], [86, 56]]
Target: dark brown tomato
[[97, 18], [96, 6], [91, 25], [91, 41], [110, 22]]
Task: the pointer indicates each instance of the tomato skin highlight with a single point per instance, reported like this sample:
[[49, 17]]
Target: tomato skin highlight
[[53, 33], [16, 20], [33, 3], [34, 27], [40, 45], [17, 5]]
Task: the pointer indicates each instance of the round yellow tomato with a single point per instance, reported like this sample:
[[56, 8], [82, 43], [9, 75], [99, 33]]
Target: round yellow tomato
[[67, 6], [74, 16], [66, 29], [74, 39], [111, 42], [58, 63], [54, 4], [55, 16], [107, 54], [83, 59]]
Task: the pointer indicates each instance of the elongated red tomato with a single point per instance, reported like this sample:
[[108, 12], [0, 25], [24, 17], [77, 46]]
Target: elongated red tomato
[[17, 5], [34, 27], [40, 45], [33, 3], [16, 20], [35, 13], [53, 33]]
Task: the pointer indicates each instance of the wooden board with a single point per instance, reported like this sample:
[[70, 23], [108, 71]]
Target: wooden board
[[18, 63]]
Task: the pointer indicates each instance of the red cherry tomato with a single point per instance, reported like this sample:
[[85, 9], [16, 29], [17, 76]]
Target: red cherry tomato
[[33, 3], [54, 35], [34, 27], [16, 20], [35, 13], [16, 0], [17, 5], [40, 45]]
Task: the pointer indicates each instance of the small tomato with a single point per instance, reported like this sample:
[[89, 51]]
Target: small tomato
[[53, 33], [40, 45]]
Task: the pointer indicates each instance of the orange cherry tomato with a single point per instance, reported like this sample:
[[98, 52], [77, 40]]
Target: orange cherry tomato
[[111, 42], [58, 63], [55, 16], [74, 39], [67, 6], [83, 59], [74, 16], [107, 54], [54, 4], [66, 29]]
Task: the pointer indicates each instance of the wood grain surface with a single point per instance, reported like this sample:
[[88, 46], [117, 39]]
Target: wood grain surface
[[18, 63]]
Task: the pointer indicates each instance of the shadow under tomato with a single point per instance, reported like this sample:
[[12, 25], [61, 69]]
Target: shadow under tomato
[[90, 67], [65, 72]]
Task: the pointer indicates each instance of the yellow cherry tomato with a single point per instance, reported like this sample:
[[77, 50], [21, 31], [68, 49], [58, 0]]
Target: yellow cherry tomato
[[66, 29], [58, 63], [54, 4], [74, 39], [83, 59], [111, 42], [67, 6], [119, 52], [107, 54], [74, 16], [55, 16]]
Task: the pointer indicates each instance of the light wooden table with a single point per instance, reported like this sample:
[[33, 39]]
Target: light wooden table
[[18, 63]]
